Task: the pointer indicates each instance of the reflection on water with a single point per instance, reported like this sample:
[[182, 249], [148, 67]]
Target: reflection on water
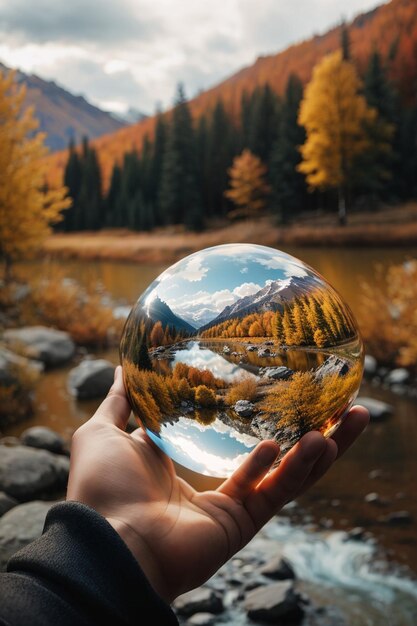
[[197, 355]]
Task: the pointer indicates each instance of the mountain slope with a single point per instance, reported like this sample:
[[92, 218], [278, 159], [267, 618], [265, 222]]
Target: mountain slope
[[62, 115], [272, 297], [160, 311], [391, 28]]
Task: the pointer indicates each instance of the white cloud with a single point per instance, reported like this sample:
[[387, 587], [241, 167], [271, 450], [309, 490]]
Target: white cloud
[[156, 42]]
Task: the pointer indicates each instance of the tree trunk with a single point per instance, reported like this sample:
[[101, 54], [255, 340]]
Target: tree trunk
[[342, 207]]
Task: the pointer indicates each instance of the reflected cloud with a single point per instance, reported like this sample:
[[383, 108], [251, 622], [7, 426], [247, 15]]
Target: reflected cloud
[[205, 359]]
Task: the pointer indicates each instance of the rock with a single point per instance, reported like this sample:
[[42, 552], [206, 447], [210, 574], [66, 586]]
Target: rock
[[200, 600], [370, 366], [264, 352], [226, 350], [378, 410], [277, 373], [20, 526], [6, 503], [397, 518], [278, 568], [10, 362], [10, 441], [268, 343], [376, 473], [201, 619], [244, 408], [44, 438], [26, 472], [250, 348], [398, 376], [356, 534], [92, 378], [375, 498], [50, 346], [278, 603], [332, 365]]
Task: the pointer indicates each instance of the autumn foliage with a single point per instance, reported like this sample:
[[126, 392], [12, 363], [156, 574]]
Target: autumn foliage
[[27, 210], [248, 187]]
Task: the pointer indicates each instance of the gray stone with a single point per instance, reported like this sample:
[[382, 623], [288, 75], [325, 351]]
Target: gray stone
[[20, 526], [370, 366], [396, 518], [278, 603], [250, 348], [44, 438], [378, 410], [226, 350], [264, 352], [10, 362], [26, 472], [277, 373], [398, 376], [200, 600], [201, 619], [244, 408], [6, 503], [92, 378], [332, 365], [50, 346], [278, 568]]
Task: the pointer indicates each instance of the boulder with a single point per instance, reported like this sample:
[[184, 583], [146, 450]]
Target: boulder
[[20, 526], [370, 366], [262, 352], [250, 348], [200, 600], [396, 518], [226, 350], [332, 365], [277, 373], [50, 346], [44, 438], [6, 503], [11, 362], [201, 619], [278, 603], [398, 376], [378, 410], [278, 568], [26, 472], [244, 408], [92, 378]]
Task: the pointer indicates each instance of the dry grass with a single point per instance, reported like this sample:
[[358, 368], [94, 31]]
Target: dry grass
[[391, 226]]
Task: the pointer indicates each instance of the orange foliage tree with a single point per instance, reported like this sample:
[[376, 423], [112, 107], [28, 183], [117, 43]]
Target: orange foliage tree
[[248, 189]]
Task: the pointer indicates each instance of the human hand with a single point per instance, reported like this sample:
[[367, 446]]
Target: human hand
[[179, 536]]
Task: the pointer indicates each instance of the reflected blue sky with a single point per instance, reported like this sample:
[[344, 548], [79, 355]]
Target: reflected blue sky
[[215, 451]]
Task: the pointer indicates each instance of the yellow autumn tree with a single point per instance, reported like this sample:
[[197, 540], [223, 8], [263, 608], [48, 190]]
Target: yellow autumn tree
[[336, 117], [248, 188], [27, 210]]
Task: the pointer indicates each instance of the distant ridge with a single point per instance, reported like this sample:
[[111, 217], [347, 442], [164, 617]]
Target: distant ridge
[[62, 115], [390, 28], [160, 311]]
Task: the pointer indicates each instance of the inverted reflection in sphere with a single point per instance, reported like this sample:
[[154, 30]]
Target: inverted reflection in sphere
[[235, 344]]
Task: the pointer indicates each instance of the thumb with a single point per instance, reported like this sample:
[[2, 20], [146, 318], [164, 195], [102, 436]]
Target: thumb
[[115, 408]]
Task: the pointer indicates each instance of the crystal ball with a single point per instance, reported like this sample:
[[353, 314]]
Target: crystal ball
[[235, 344]]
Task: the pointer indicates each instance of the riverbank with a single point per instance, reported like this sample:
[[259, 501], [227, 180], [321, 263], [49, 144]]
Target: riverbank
[[393, 226]]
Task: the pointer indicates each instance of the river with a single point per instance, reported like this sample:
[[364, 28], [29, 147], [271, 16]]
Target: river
[[383, 460]]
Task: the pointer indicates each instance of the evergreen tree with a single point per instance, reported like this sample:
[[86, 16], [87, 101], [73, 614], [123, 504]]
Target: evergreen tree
[[289, 192], [159, 146], [221, 151], [179, 198], [263, 122], [72, 180], [345, 42], [90, 203], [113, 196], [377, 164]]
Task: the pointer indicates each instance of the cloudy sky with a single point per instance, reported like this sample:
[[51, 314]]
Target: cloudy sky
[[132, 53]]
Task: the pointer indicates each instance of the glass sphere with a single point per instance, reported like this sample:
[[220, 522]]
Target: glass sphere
[[235, 344]]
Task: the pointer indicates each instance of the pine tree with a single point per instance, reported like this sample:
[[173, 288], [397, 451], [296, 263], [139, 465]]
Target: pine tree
[[72, 180], [263, 123], [89, 203], [179, 198], [114, 196], [289, 191], [26, 210], [159, 146], [335, 116]]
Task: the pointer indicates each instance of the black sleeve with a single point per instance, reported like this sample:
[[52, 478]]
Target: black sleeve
[[78, 573]]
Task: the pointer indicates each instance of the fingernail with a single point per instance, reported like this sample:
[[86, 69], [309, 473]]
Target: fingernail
[[266, 455]]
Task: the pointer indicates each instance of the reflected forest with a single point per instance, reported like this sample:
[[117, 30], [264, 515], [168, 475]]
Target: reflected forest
[[281, 358]]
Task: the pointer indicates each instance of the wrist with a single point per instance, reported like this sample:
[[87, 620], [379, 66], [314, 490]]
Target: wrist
[[143, 555]]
